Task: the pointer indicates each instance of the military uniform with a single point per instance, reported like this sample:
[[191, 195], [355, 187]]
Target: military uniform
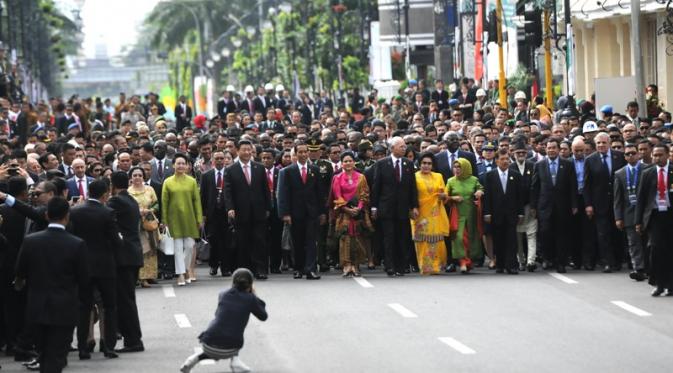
[[325, 173]]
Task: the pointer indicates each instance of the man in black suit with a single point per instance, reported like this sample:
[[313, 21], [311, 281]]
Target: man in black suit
[[52, 264], [528, 226], [183, 114], [626, 185], [440, 96], [275, 231], [95, 223], [299, 205], [554, 201], [129, 259], [444, 160], [654, 215], [248, 204], [62, 122], [215, 218], [261, 102], [503, 209], [227, 103], [393, 199], [67, 156], [599, 172]]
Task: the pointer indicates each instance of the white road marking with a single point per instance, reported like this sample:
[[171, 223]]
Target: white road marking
[[182, 320], [633, 309], [456, 345], [364, 283], [561, 277], [169, 292], [199, 350], [403, 311]]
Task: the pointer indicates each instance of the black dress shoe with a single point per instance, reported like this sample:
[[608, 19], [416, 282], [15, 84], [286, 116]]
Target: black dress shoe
[[276, 271], [450, 268], [135, 348], [499, 270], [561, 269], [298, 275], [390, 273], [213, 271], [84, 355], [91, 345], [226, 273], [261, 276], [522, 267], [407, 270], [531, 267], [668, 293], [414, 269], [312, 276], [546, 265], [399, 274], [21, 354], [324, 268], [513, 271], [33, 366], [589, 268], [657, 291], [110, 354], [607, 269]]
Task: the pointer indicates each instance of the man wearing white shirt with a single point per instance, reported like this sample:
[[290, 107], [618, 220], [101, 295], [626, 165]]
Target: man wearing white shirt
[[78, 185]]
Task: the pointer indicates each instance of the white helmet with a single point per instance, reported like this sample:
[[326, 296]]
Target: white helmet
[[268, 87], [481, 92], [230, 88], [520, 95], [280, 88], [248, 88]]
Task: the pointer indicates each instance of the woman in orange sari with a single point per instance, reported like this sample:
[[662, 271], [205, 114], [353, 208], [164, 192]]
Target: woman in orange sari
[[432, 225], [350, 198]]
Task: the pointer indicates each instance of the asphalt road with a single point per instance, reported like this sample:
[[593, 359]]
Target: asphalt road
[[482, 322]]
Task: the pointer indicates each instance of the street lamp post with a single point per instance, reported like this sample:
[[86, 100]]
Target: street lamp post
[[200, 35]]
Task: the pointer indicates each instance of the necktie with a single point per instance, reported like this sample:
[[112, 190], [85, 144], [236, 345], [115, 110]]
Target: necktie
[[69, 171], [397, 170], [160, 170], [605, 163], [632, 174], [219, 180], [303, 174], [503, 181], [552, 169], [247, 173], [81, 188], [661, 185], [453, 159], [269, 176]]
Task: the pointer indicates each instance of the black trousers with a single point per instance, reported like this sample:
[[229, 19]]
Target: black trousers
[[583, 250], [127, 310], [304, 240], [166, 264], [273, 238], [661, 246], [505, 244], [251, 251], [222, 251], [53, 342], [553, 237], [108, 291], [14, 307], [610, 240], [396, 236]]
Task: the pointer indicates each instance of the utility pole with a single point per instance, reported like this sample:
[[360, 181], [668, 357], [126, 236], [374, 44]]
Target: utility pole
[[637, 57], [501, 58], [549, 93], [570, 50], [407, 42]]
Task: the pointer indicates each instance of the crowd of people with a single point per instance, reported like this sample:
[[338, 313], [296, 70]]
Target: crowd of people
[[428, 181]]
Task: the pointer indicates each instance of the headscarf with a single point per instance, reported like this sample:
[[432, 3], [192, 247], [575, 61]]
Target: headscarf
[[544, 112], [465, 168]]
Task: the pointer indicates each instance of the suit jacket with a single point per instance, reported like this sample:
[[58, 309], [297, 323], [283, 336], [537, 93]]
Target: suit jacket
[[251, 202], [95, 223], [273, 125], [296, 199], [503, 206], [37, 215], [53, 263], [212, 199], [548, 198], [180, 122], [61, 167], [526, 179], [443, 166], [647, 195], [73, 188], [127, 213], [598, 186], [442, 99], [225, 107], [167, 164], [62, 123], [482, 169], [623, 209], [261, 104], [13, 228], [393, 199]]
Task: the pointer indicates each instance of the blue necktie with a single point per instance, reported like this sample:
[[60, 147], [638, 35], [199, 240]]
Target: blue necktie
[[552, 169]]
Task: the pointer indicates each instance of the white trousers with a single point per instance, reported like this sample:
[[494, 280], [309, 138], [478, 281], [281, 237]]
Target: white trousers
[[528, 228], [183, 254]]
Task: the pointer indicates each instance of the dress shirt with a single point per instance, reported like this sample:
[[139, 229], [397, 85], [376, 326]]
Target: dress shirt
[[503, 180], [450, 155], [221, 173], [579, 171], [57, 226], [608, 160], [665, 168], [395, 159]]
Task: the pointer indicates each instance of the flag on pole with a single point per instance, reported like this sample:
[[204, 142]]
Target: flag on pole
[[570, 59], [295, 85]]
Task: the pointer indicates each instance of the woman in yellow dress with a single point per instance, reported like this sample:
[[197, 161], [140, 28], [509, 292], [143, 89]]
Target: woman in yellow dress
[[432, 225], [148, 203]]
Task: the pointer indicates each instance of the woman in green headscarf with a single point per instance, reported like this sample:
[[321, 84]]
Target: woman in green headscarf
[[465, 193]]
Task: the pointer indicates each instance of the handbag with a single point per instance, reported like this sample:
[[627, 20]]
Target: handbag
[[150, 222], [167, 245], [203, 248], [286, 240]]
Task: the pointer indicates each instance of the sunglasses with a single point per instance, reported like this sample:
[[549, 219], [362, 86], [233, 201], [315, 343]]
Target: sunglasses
[[97, 170], [629, 154]]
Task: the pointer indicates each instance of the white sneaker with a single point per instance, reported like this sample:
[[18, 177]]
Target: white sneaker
[[238, 366], [189, 364]]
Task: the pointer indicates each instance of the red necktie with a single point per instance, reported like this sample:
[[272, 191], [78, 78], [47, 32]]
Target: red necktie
[[81, 188], [661, 185], [219, 180], [303, 174], [397, 170], [269, 174]]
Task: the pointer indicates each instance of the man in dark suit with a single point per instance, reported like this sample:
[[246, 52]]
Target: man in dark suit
[[626, 185], [275, 231], [440, 96], [260, 102], [67, 156], [554, 201], [52, 264], [95, 223], [444, 160], [62, 122], [583, 231], [654, 215], [162, 167], [79, 183], [227, 104], [393, 199], [528, 226], [503, 209], [248, 204], [299, 205], [215, 218], [488, 160], [183, 114], [129, 259], [599, 171]]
